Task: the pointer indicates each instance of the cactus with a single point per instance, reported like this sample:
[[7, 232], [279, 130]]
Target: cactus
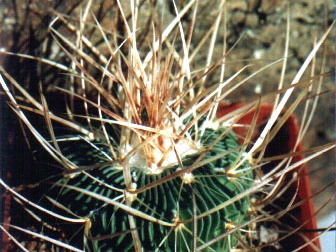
[[170, 206], [142, 161]]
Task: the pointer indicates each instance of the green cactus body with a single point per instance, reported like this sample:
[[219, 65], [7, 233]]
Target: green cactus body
[[173, 201]]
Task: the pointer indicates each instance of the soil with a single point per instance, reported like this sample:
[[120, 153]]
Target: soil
[[256, 34]]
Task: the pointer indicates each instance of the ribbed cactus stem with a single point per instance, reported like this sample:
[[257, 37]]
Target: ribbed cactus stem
[[178, 195]]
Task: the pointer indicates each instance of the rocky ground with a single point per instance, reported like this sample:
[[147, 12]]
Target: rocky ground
[[256, 33]]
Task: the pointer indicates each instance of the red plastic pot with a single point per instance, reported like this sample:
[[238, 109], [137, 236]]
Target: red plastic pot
[[283, 143]]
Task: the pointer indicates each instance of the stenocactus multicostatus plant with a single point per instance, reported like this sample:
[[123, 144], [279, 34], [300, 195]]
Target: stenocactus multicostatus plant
[[169, 203], [142, 161]]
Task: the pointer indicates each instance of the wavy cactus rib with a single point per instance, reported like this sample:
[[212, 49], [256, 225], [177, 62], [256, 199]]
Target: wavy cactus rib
[[178, 201]]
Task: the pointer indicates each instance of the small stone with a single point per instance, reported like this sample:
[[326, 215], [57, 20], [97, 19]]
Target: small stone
[[252, 20], [269, 34], [268, 6], [258, 54]]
